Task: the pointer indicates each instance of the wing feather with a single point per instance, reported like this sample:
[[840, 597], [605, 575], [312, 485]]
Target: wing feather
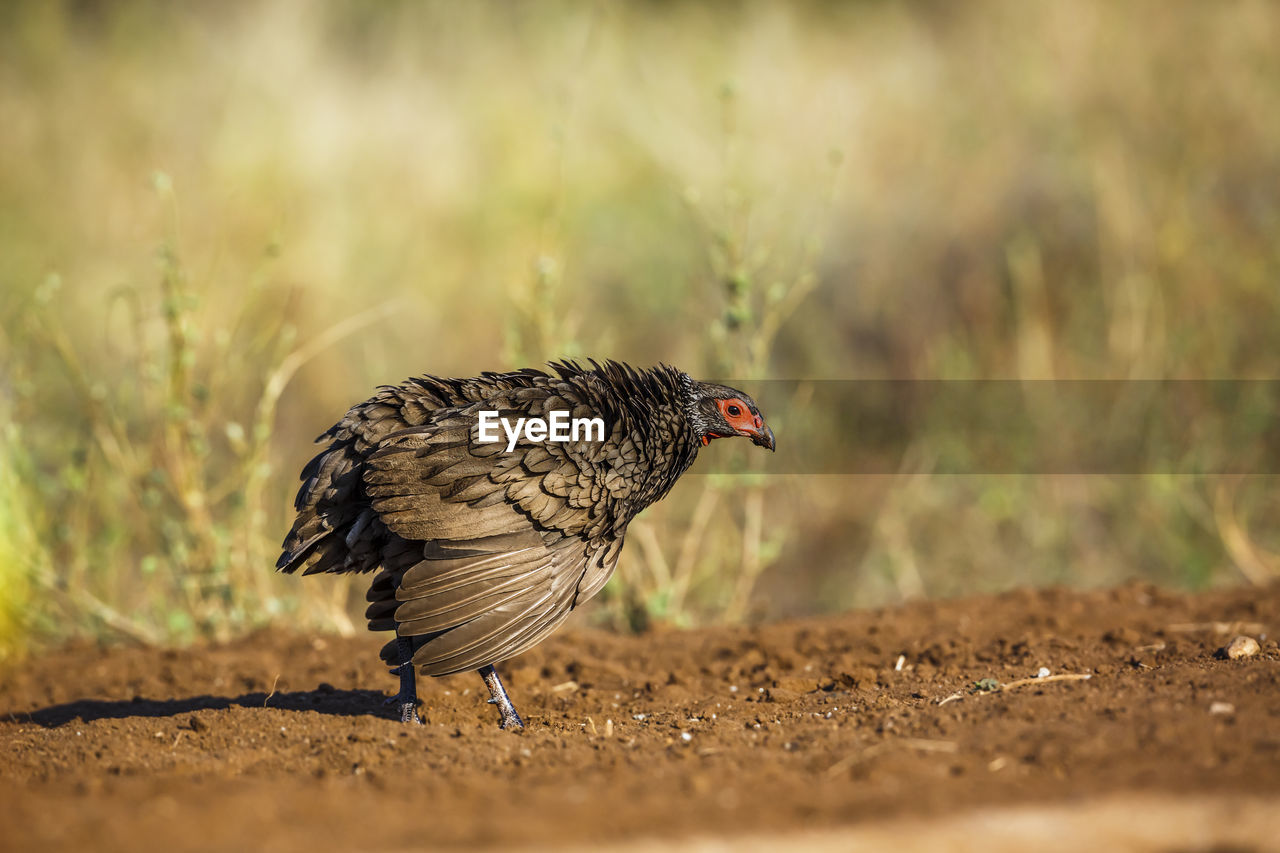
[[480, 609]]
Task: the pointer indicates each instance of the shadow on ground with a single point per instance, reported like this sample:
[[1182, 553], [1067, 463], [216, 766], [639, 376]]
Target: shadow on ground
[[324, 700]]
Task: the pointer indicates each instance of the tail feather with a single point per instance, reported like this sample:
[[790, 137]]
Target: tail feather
[[335, 530], [294, 557]]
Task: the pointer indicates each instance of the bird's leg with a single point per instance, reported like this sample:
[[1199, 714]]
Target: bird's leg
[[408, 695], [510, 719]]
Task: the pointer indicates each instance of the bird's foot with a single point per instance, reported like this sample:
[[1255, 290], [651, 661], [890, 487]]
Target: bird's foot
[[409, 713], [408, 695], [408, 708], [510, 719]]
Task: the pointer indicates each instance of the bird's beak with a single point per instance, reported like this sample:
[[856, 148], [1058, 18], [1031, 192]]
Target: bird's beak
[[763, 437]]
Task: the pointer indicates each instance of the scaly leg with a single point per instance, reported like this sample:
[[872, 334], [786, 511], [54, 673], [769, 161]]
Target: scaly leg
[[510, 719], [408, 695]]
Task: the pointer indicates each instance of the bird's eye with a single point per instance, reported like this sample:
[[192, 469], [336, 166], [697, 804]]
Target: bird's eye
[[733, 411]]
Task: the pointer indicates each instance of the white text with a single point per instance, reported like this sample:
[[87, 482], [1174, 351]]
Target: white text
[[559, 427]]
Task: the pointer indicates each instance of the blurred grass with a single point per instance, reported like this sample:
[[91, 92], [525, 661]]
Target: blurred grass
[[195, 200], [17, 552]]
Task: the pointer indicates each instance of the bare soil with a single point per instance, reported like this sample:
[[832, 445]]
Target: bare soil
[[842, 732]]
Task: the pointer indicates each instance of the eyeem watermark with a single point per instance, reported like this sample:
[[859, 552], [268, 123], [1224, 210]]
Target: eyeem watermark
[[559, 427]]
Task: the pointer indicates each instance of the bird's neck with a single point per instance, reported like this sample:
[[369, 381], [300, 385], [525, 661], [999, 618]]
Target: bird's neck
[[666, 438]]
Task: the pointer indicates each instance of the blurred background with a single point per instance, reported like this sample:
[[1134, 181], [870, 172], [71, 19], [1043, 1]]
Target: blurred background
[[222, 224]]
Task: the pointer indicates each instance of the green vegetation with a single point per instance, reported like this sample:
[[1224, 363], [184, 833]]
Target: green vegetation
[[220, 225]]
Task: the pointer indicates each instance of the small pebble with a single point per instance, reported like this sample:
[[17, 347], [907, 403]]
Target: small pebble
[[1043, 672], [686, 737], [1240, 647], [1222, 708]]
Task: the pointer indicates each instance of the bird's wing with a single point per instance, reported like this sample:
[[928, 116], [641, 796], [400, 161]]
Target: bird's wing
[[506, 536], [487, 600]]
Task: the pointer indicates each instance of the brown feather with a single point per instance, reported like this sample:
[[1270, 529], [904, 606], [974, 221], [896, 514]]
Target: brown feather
[[484, 552]]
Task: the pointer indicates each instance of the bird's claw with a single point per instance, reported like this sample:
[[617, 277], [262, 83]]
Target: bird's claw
[[408, 708]]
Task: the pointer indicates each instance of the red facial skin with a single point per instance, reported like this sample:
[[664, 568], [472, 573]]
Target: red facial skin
[[743, 423]]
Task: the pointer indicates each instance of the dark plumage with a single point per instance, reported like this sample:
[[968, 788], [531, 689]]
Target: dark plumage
[[484, 552]]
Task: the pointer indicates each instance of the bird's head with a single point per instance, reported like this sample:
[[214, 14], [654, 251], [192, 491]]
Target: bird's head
[[717, 411]]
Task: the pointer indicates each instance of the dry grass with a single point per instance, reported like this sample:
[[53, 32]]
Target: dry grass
[[201, 199]]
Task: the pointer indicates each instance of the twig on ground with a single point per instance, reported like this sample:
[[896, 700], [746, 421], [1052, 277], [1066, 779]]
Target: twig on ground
[[1066, 676], [1021, 682], [273, 690]]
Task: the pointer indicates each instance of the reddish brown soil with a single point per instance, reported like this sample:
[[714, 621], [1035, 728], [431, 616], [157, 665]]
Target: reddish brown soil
[[281, 742]]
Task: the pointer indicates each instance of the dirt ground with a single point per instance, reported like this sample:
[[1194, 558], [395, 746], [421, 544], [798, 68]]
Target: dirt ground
[[851, 732]]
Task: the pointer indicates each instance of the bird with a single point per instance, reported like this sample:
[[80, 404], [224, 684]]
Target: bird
[[482, 547]]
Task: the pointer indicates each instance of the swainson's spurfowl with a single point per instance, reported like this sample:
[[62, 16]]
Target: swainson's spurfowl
[[484, 546]]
